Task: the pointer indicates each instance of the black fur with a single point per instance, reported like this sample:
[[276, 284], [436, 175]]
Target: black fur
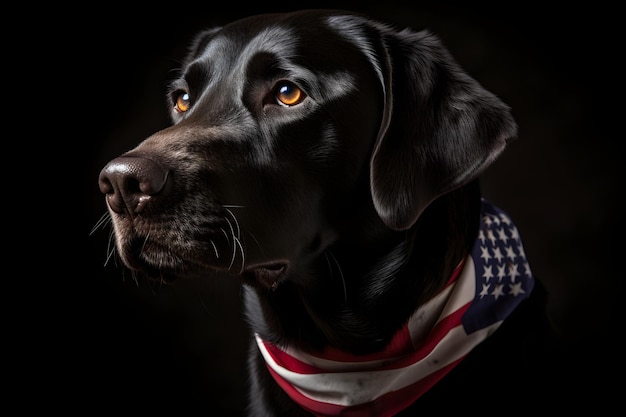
[[341, 214]]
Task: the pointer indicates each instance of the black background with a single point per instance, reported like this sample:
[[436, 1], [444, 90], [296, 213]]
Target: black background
[[90, 339]]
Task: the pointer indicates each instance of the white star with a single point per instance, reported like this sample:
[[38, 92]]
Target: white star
[[514, 233], [487, 221], [505, 219], [510, 253], [484, 253], [487, 274], [498, 291], [501, 272], [516, 289], [502, 235], [527, 269], [497, 253], [513, 272], [484, 291], [520, 249], [481, 236], [491, 237]]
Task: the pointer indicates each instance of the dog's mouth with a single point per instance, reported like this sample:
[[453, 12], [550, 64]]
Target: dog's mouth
[[267, 274], [166, 267]]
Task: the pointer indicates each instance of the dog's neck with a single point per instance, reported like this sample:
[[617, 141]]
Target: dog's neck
[[488, 285]]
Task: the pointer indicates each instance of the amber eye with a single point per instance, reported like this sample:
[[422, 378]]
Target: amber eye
[[183, 102], [289, 94]]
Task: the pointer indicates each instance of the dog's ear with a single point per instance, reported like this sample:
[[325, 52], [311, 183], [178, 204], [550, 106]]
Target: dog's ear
[[440, 128]]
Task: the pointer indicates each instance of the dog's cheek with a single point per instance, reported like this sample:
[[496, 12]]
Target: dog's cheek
[[280, 222]]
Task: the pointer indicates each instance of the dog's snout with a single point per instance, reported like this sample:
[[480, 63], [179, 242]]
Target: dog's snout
[[130, 183]]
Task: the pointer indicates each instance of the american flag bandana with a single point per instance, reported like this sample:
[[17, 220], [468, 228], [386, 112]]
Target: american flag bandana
[[483, 290]]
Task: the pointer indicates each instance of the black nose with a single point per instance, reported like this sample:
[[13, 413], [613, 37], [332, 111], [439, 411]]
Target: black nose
[[131, 182]]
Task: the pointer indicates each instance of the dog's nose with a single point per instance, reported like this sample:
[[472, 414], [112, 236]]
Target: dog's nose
[[130, 183]]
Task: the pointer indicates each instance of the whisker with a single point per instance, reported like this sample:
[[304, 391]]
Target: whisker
[[217, 255], [102, 221], [232, 260], [343, 281], [243, 255], [111, 248], [145, 241], [236, 235], [110, 254], [133, 275], [235, 220], [257, 243], [232, 230]]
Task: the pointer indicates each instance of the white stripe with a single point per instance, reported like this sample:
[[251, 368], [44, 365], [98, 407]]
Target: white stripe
[[353, 388], [338, 366]]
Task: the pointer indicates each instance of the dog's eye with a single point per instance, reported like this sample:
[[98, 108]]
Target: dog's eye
[[182, 102], [289, 94]]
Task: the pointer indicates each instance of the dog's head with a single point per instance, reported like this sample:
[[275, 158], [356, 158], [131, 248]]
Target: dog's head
[[293, 133]]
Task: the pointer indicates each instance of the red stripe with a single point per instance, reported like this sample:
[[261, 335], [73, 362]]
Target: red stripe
[[456, 272]]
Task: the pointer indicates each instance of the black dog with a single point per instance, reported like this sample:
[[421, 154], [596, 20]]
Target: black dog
[[331, 162]]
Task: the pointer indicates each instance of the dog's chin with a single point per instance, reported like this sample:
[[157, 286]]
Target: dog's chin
[[164, 275], [167, 268], [266, 274]]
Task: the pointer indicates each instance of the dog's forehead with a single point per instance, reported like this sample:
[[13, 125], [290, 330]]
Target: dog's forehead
[[289, 35], [273, 39]]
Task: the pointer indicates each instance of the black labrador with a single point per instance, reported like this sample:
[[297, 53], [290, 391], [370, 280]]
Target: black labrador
[[331, 163]]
